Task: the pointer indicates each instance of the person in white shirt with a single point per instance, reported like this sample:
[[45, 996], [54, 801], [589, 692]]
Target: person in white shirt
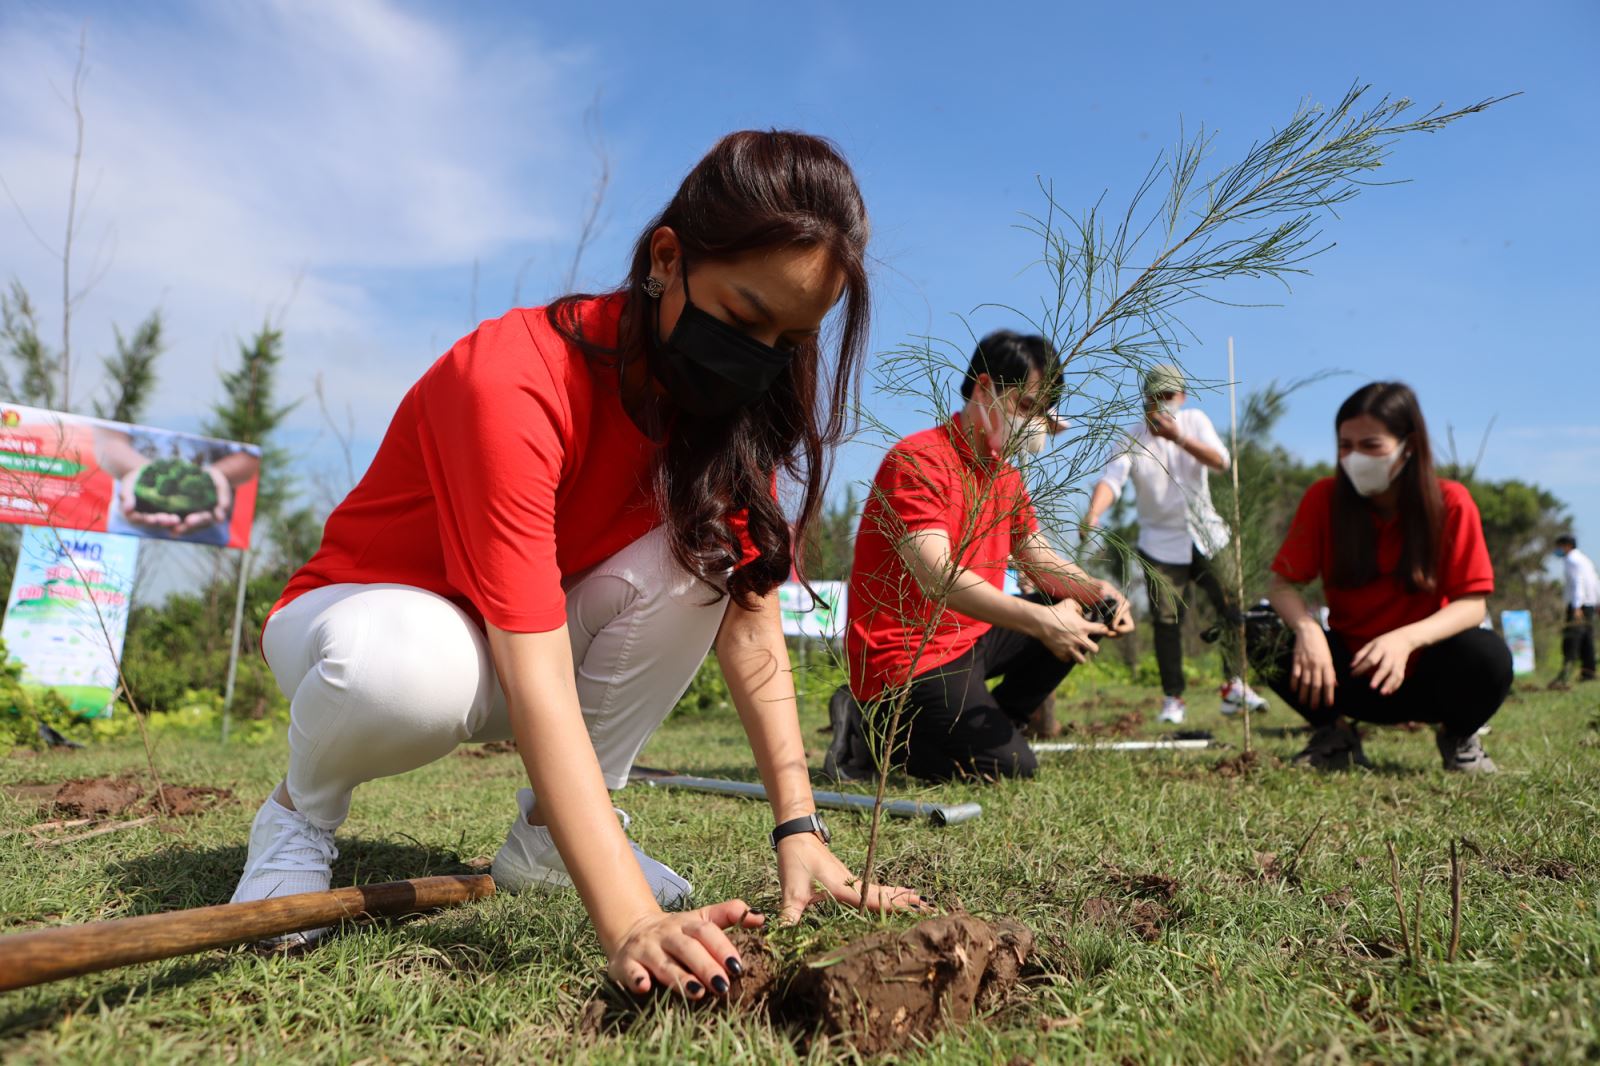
[[1170, 456], [1582, 595]]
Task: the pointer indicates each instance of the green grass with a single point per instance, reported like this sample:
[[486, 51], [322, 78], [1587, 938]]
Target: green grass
[[1249, 969]]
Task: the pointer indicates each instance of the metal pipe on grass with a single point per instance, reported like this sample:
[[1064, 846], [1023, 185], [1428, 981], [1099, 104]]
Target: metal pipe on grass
[[935, 813]]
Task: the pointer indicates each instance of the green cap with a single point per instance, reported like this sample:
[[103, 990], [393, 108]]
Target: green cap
[[1163, 378]]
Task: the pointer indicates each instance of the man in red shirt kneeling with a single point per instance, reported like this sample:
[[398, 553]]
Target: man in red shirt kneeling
[[929, 621]]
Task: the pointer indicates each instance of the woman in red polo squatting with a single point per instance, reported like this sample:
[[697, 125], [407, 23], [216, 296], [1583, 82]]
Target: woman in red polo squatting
[[569, 509], [1405, 573]]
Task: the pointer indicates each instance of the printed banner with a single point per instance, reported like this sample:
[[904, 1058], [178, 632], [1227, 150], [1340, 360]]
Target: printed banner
[[52, 627], [1517, 628], [76, 472], [820, 619]]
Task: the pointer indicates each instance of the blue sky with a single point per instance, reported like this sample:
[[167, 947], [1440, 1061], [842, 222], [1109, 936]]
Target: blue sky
[[343, 167]]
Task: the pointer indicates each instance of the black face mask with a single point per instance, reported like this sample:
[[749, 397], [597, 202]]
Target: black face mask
[[710, 368]]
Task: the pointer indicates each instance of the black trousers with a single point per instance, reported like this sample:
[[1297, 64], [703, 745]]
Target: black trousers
[[954, 726], [1459, 683], [1577, 640], [1168, 606]]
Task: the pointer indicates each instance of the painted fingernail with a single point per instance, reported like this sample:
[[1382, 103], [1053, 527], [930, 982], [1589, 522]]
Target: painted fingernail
[[720, 983], [734, 966], [693, 988]]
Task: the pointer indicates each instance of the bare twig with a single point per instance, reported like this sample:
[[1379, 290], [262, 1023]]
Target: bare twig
[[51, 842], [1416, 918], [1455, 903], [39, 827], [1294, 860], [67, 298], [1399, 901], [597, 196], [1243, 659], [122, 681]]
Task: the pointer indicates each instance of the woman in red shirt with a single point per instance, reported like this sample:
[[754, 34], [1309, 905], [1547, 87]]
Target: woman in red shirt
[[569, 509], [1405, 572]]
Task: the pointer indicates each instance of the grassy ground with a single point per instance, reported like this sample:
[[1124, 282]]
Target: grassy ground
[[1251, 966]]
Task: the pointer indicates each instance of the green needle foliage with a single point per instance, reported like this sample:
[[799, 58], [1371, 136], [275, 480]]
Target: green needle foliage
[[1116, 283]]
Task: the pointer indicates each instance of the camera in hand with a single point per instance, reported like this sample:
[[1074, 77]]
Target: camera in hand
[[1261, 623]]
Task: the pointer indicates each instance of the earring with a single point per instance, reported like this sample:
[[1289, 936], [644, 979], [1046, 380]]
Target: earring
[[653, 287]]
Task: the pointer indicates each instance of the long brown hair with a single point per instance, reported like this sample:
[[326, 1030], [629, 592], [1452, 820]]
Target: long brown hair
[[753, 190], [1419, 502]]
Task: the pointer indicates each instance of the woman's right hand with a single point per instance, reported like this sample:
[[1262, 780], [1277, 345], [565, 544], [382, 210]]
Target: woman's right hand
[[1312, 676], [686, 951]]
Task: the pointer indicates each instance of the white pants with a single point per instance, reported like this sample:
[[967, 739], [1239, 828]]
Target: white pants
[[383, 679]]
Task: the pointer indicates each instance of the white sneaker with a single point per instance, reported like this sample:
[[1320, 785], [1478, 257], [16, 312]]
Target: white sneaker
[[1172, 710], [1236, 695], [288, 855], [529, 859]]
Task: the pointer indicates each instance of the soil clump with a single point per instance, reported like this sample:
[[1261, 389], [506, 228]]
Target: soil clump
[[1245, 763], [876, 994], [109, 797]]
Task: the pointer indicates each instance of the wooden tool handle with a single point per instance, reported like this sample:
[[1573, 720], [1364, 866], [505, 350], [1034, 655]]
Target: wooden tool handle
[[50, 954]]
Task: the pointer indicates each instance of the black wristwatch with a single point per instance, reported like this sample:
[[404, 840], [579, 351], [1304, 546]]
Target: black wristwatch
[[811, 823]]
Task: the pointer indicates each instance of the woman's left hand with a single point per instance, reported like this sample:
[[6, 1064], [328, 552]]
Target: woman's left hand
[[1385, 658], [805, 863]]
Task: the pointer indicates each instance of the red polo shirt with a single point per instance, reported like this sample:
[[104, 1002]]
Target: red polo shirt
[[509, 466], [1384, 605], [930, 480]]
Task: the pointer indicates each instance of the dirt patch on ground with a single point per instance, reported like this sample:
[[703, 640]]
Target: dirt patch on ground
[[1146, 919], [1127, 724], [109, 797], [484, 751], [1245, 763], [1144, 907], [1547, 867], [1144, 886], [876, 994]]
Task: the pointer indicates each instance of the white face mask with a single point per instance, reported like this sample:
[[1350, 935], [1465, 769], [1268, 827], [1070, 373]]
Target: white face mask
[[1371, 474], [1016, 434]]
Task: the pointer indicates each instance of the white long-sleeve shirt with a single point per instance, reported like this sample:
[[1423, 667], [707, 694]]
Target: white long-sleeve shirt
[[1583, 584], [1176, 514]]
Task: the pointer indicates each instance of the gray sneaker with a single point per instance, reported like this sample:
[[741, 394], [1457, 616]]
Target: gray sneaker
[[1464, 755], [1333, 747]]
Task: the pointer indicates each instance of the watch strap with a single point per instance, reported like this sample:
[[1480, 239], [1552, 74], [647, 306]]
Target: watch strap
[[810, 823]]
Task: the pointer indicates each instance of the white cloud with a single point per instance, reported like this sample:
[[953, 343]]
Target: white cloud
[[333, 151]]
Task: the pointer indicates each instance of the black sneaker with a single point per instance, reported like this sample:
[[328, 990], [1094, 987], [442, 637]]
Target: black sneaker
[[1464, 755], [1333, 747], [848, 758]]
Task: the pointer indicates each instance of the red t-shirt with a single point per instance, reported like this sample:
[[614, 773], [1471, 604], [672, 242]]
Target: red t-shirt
[[1384, 605], [930, 480], [510, 465]]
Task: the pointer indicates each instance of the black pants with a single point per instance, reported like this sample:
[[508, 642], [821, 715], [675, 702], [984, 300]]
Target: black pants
[[1167, 608], [1459, 683], [1577, 640], [954, 726]]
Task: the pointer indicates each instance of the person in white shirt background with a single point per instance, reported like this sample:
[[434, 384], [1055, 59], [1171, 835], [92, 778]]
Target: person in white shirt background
[[1170, 457], [1582, 596]]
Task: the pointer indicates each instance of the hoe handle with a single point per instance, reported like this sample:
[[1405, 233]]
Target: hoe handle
[[52, 954]]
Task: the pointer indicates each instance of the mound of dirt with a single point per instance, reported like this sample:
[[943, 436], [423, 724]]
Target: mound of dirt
[[884, 990], [1245, 763], [487, 749], [1146, 919], [106, 797], [875, 994], [1127, 724], [95, 797]]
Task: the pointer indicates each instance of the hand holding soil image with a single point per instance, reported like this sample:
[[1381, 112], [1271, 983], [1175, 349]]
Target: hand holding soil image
[[175, 487]]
